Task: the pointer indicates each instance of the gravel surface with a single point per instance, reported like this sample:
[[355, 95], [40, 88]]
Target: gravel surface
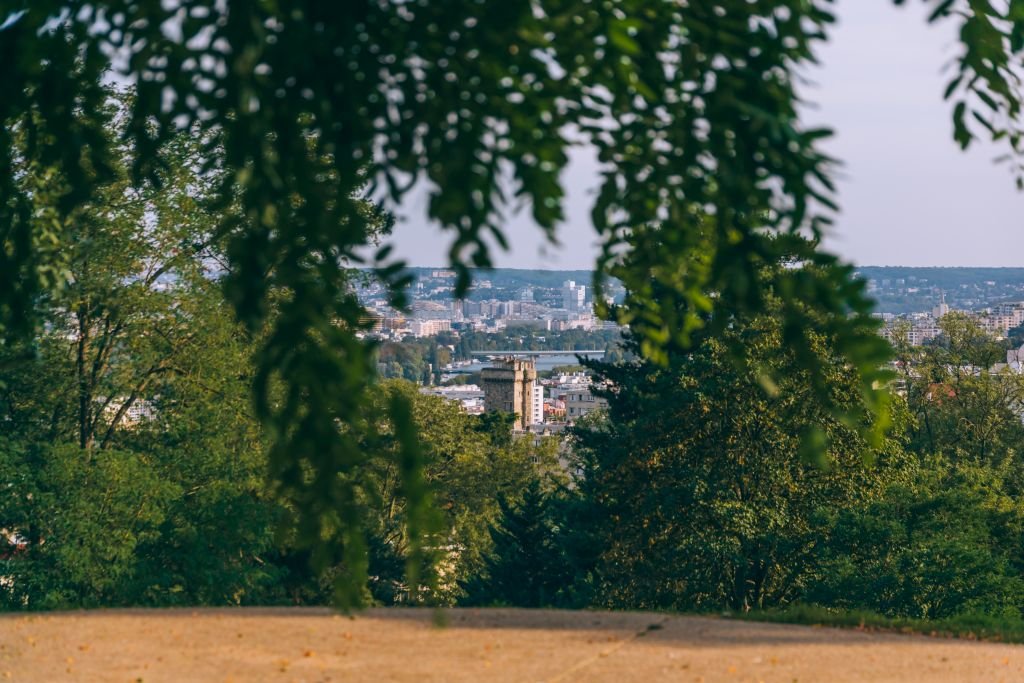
[[313, 645]]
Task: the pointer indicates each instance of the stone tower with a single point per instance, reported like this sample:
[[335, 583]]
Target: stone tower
[[508, 388]]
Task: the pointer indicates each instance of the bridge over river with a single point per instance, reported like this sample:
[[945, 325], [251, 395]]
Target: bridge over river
[[546, 360]]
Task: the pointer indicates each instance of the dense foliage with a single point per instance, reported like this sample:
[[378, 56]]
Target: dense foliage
[[941, 543], [529, 564], [472, 466], [695, 487], [692, 108], [132, 462], [693, 493], [133, 467]]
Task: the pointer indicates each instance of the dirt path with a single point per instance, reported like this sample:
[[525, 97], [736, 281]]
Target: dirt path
[[286, 645]]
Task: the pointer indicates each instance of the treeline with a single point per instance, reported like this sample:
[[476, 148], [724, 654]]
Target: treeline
[[693, 494], [950, 278], [134, 468], [415, 359], [690, 493], [176, 510]]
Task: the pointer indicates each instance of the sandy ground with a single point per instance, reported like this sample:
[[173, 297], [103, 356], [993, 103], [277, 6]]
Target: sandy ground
[[242, 645]]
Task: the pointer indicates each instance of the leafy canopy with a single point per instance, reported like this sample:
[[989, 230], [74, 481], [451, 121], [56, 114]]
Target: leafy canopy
[[693, 491], [691, 106]]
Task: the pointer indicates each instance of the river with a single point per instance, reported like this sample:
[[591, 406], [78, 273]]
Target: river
[[543, 362]]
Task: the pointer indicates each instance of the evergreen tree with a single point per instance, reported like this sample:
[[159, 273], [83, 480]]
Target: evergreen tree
[[527, 566], [471, 464]]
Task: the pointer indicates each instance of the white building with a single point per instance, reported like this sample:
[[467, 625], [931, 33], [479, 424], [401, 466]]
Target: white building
[[470, 397], [140, 410], [537, 404], [575, 321], [574, 296], [920, 329], [428, 328], [1015, 360], [1003, 318]]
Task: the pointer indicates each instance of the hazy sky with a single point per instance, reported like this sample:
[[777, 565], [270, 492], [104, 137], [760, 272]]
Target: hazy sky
[[908, 195]]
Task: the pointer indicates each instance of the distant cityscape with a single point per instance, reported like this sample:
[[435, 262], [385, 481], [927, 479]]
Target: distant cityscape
[[994, 297], [512, 304], [507, 302], [500, 299]]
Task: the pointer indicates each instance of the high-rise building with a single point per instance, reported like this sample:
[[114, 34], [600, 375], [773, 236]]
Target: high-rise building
[[574, 297], [942, 309], [537, 404], [509, 388]]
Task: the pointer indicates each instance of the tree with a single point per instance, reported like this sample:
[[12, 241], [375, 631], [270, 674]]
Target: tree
[[692, 108], [941, 543], [695, 492], [526, 566], [136, 467], [83, 524], [943, 539], [471, 464], [965, 408]]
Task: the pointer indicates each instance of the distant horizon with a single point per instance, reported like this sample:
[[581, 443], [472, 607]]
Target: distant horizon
[[585, 270]]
